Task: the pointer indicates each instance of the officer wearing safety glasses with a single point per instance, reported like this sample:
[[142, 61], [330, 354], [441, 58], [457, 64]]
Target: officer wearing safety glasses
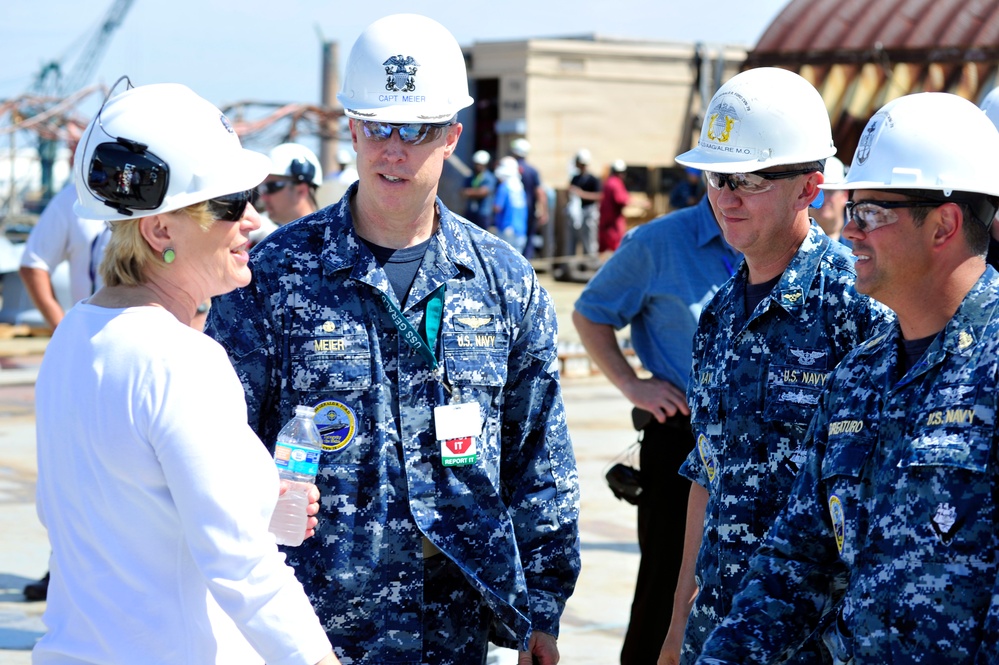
[[766, 343], [901, 483], [426, 347]]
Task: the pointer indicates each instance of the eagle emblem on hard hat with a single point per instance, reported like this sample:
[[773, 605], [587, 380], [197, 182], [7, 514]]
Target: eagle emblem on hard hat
[[864, 147], [400, 71], [721, 122]]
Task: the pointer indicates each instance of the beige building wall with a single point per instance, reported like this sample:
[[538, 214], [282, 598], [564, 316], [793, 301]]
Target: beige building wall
[[619, 99]]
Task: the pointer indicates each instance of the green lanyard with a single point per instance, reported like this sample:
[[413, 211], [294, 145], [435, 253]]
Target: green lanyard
[[432, 321]]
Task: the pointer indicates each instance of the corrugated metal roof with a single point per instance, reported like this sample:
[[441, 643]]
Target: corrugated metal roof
[[860, 54]]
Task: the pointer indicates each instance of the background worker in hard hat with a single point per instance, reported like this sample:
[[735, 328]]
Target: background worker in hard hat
[[766, 343], [656, 283], [537, 197], [150, 484], [900, 487], [510, 207], [427, 347], [289, 192], [347, 173], [480, 188], [829, 210], [583, 211]]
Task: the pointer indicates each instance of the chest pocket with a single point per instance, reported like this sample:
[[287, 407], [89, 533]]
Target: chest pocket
[[794, 384], [334, 359], [475, 348], [950, 433], [476, 358]]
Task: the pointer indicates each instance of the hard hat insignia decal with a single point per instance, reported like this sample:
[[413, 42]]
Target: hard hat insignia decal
[[400, 73], [864, 147], [225, 123], [721, 123]]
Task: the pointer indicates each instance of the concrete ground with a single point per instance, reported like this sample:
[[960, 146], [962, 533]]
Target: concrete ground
[[595, 618]]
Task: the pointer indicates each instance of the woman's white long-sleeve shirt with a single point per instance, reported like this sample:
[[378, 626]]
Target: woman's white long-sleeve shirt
[[157, 497]]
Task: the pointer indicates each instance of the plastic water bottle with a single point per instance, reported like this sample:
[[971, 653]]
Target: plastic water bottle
[[296, 455]]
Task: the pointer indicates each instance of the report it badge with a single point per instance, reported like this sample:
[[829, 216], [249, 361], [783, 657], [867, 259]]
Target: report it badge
[[458, 426], [337, 424]]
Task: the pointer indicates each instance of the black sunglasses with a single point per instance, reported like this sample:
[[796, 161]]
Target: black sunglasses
[[413, 133], [230, 208], [273, 186]]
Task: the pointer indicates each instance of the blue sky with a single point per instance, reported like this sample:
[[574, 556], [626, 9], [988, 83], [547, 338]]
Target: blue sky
[[269, 50]]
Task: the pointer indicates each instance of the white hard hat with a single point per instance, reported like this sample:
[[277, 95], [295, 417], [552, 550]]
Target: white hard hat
[[405, 68], [296, 162], [583, 156], [930, 141], [344, 156], [507, 168], [520, 147], [991, 106], [480, 157], [618, 166], [158, 148], [834, 171], [760, 118]]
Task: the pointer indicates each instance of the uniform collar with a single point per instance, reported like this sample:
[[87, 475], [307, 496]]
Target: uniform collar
[[449, 250], [792, 290]]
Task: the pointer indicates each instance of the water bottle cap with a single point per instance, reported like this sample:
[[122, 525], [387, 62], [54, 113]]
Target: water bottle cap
[[302, 411]]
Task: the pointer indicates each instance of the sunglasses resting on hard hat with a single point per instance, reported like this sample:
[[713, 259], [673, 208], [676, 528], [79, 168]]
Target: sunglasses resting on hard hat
[[413, 133]]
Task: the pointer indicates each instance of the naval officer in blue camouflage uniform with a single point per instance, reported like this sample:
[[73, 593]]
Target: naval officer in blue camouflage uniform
[[428, 350], [766, 342], [901, 487]]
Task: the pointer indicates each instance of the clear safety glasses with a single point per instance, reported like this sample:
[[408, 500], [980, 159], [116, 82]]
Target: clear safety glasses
[[751, 183], [870, 215], [413, 133]]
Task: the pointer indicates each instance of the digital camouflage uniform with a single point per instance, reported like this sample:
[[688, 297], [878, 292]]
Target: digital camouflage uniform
[[312, 329], [753, 390], [901, 491]]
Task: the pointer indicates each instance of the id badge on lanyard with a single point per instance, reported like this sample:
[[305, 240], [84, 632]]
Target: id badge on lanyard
[[457, 426]]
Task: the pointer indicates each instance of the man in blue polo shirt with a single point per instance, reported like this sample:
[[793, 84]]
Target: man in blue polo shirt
[[657, 282]]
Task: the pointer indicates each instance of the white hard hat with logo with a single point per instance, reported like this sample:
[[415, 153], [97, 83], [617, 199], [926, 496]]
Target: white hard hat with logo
[[405, 68], [297, 163], [991, 106], [158, 148], [761, 118], [929, 141]]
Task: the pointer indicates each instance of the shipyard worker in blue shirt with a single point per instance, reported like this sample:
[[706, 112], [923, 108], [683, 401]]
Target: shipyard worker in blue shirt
[[428, 350], [901, 484], [765, 344], [657, 282]]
